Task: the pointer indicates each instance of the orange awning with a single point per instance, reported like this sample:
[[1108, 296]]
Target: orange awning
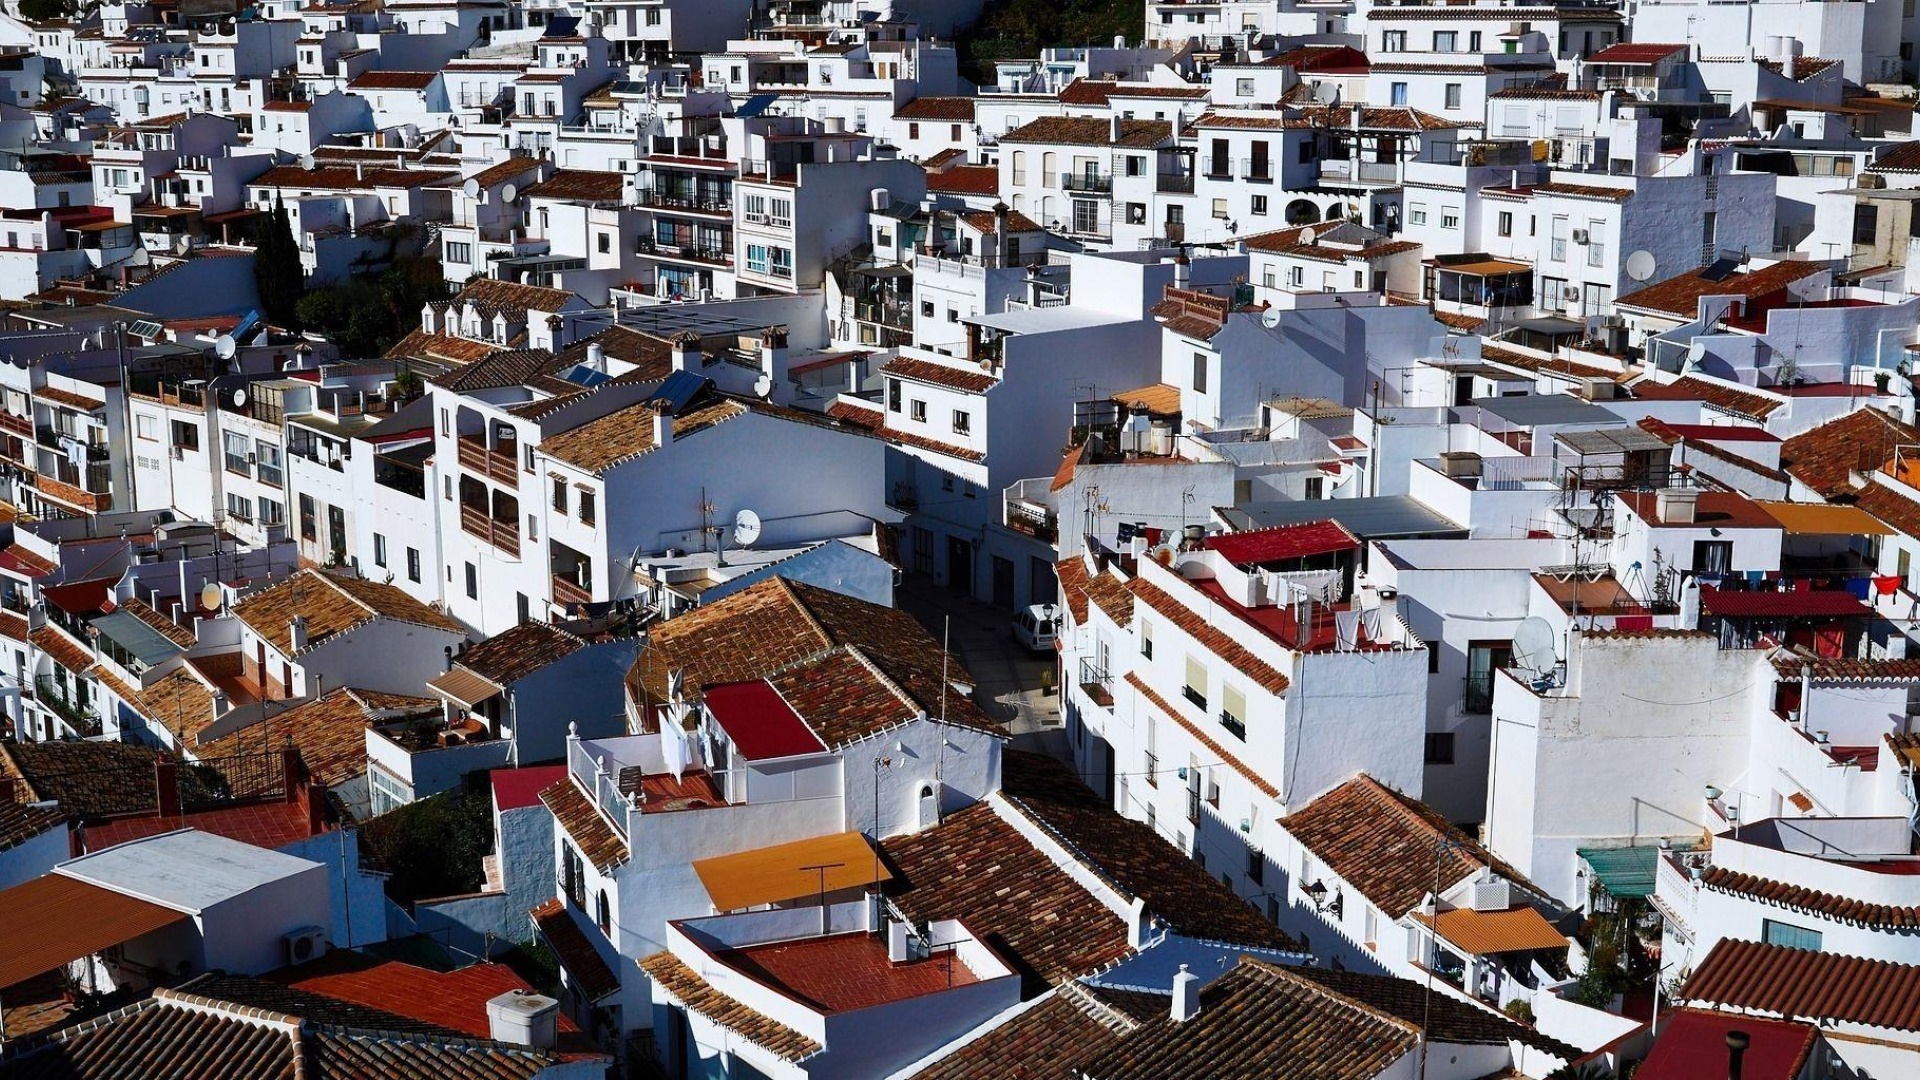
[[1824, 519], [771, 875], [463, 686], [1478, 933], [54, 920], [1159, 399]]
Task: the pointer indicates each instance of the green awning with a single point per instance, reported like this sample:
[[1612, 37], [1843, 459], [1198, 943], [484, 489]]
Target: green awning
[[1626, 871]]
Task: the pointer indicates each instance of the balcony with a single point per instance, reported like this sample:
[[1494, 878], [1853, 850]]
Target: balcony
[[709, 147], [1089, 182], [906, 496], [720, 254], [81, 718], [568, 592], [712, 204], [1360, 172], [19, 425], [1173, 184], [1257, 170], [503, 535], [895, 314], [1096, 682], [492, 464], [1033, 519]]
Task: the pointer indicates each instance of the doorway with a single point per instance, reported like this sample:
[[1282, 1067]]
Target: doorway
[[960, 565]]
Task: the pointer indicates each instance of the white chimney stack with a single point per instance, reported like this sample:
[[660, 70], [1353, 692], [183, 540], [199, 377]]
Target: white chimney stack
[[1186, 995], [1114, 128], [662, 424], [686, 351], [597, 357], [297, 632], [524, 1019], [897, 941]]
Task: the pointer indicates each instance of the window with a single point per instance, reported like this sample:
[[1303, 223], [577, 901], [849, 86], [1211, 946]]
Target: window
[[1417, 213], [962, 422], [559, 495], [236, 447], [1146, 639], [1446, 41], [1453, 95], [148, 427], [1233, 711], [1244, 87], [1712, 556], [1558, 238], [1449, 217], [1504, 223], [267, 456], [1195, 689], [1399, 93], [1789, 936], [1393, 41], [379, 550], [336, 532], [1256, 866], [271, 512], [573, 877], [1315, 488], [458, 253], [1259, 206], [309, 519], [185, 436], [239, 508], [1220, 209], [587, 508], [603, 913], [917, 410], [1473, 41], [413, 565], [1439, 747], [1086, 216], [604, 242], [1199, 373]]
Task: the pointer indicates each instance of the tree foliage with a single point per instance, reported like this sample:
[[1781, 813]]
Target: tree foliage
[[365, 315], [1013, 29], [276, 270], [46, 10], [432, 847]]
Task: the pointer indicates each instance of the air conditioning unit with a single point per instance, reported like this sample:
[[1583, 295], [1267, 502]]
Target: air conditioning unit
[[1571, 292], [304, 944], [1580, 236]]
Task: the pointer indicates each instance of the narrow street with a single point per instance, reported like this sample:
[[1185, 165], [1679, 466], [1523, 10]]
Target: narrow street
[[1008, 679]]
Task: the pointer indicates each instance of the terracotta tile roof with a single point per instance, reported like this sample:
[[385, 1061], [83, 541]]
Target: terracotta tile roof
[[578, 185], [1743, 401], [965, 180], [843, 697], [512, 655], [957, 109], [1799, 984], [1301, 1029], [1545, 93], [513, 296], [68, 398], [1375, 118], [332, 605], [156, 1037], [1634, 52], [1251, 120], [1192, 313], [777, 624], [1450, 1019], [506, 170], [1799, 898], [90, 780], [968, 379], [983, 221], [1384, 844], [1824, 458], [20, 822], [510, 367], [347, 178], [1212, 638], [1085, 91], [1320, 58], [1251, 775], [975, 866], [181, 702], [330, 732], [1090, 131], [1891, 507], [62, 649], [599, 844], [393, 80], [19, 558], [650, 355], [1846, 669], [1902, 156], [1582, 15], [1680, 295], [1132, 856], [1104, 590], [590, 973], [1468, 323], [420, 344], [625, 434], [686, 986], [1554, 366], [1049, 1041]]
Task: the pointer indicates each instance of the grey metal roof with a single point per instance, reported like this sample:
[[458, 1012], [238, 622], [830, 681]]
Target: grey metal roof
[[1620, 440], [132, 633], [1539, 410], [187, 870], [1369, 518]]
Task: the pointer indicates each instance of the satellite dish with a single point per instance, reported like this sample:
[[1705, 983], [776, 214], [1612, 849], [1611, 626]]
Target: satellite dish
[[306, 162], [746, 528], [1270, 318], [223, 346], [508, 193], [1308, 236], [1640, 265], [240, 397], [1533, 643], [210, 596], [762, 386], [471, 187]]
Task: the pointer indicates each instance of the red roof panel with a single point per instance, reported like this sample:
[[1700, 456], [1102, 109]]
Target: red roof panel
[[1283, 542], [80, 597], [1634, 52], [1693, 1044], [517, 788], [760, 722]]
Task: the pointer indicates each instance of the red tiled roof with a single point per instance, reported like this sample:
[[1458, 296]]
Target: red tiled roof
[[1283, 542], [1824, 458], [597, 841], [1801, 984], [970, 379], [1809, 604], [1693, 1044], [456, 1000], [1634, 52], [1680, 295], [1799, 898], [583, 962], [1741, 400], [965, 180], [937, 108], [1210, 637], [393, 80], [269, 825]]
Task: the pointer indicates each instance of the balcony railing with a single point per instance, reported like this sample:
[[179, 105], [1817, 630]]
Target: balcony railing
[[1478, 697], [1033, 519], [476, 458], [1259, 170], [1234, 725], [1096, 682], [1173, 184], [1362, 172], [567, 591], [504, 535], [19, 425], [1088, 182], [687, 202], [706, 253], [81, 718]]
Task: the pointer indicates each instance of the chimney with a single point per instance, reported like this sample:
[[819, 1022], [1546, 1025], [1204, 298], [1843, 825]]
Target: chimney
[[686, 350], [1737, 1043], [773, 358], [359, 170], [1114, 125], [999, 235], [523, 1018], [897, 942], [1186, 995], [166, 787], [555, 340], [1676, 506], [1182, 271], [1139, 924], [662, 424], [597, 358], [293, 773], [315, 798], [297, 632]]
